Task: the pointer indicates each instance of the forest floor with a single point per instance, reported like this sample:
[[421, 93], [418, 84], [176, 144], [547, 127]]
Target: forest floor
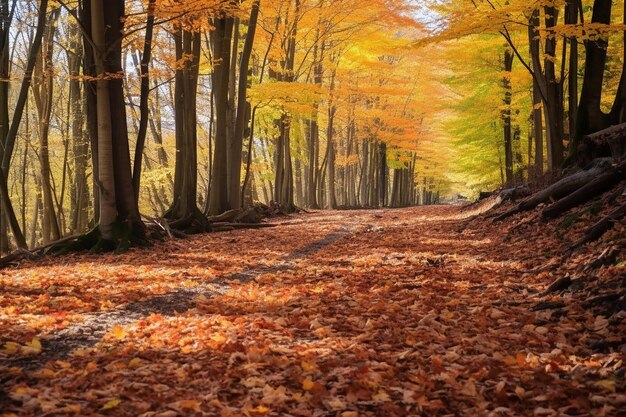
[[430, 311]]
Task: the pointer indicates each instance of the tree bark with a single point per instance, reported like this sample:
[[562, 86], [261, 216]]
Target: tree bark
[[80, 143], [596, 186], [559, 189], [43, 93], [9, 141], [243, 111], [221, 38], [571, 18], [590, 117], [184, 205], [554, 94], [144, 111], [506, 117]]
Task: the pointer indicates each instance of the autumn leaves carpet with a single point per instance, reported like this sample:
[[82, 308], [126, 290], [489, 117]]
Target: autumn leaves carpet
[[371, 313]]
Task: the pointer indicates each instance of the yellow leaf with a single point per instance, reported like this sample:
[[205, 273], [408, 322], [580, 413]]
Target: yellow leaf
[[336, 404], [322, 331], [349, 414], [35, 345], [380, 396], [118, 332], [260, 410], [606, 384], [11, 346], [111, 404], [308, 366], [73, 408], [253, 382], [135, 363], [308, 385]]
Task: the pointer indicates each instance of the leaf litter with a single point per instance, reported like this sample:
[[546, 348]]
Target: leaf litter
[[423, 311]]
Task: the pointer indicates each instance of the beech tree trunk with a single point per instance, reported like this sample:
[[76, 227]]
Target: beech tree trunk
[[283, 185], [11, 136], [106, 176], [6, 17], [80, 143], [43, 93], [184, 207], [144, 73], [332, 196], [119, 222], [221, 38], [243, 112], [506, 117]]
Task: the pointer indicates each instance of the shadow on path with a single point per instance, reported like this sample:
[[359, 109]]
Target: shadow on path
[[88, 333]]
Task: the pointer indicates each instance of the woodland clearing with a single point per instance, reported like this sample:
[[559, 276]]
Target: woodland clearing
[[423, 311]]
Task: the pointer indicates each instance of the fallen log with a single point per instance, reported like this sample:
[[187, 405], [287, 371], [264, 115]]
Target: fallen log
[[512, 194], [612, 139], [221, 226], [17, 256], [596, 231], [224, 217], [251, 215], [595, 187], [561, 188]]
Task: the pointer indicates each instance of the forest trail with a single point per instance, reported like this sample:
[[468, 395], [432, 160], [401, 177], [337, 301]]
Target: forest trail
[[421, 311]]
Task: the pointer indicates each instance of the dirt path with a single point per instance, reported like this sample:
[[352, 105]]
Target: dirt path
[[380, 313]]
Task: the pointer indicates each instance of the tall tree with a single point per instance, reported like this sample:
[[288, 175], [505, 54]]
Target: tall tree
[[221, 39], [119, 221], [184, 208]]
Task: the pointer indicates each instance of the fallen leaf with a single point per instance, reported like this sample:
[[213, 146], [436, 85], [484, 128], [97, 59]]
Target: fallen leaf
[[111, 404], [118, 332], [308, 384]]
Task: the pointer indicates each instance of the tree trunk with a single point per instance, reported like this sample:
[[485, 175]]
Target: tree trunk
[[571, 18], [90, 102], [43, 93], [106, 176], [332, 198], [506, 117], [144, 73], [618, 111], [283, 187], [382, 175], [537, 131], [221, 38], [184, 207], [554, 94], [120, 223], [590, 117], [80, 143], [243, 111], [9, 141], [6, 18]]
